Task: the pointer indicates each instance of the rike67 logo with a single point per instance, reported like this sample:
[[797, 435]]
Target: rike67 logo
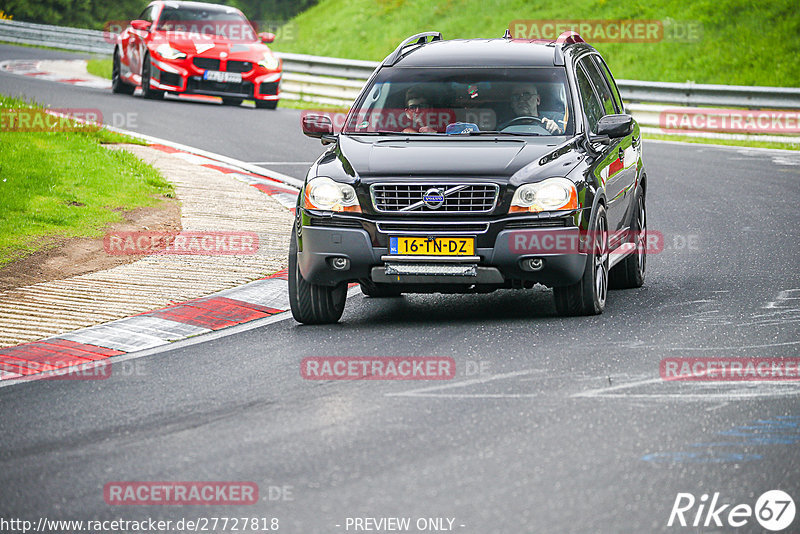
[[774, 510]]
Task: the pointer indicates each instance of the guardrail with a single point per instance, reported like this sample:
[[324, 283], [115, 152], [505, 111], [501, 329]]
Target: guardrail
[[79, 39], [333, 79], [338, 81]]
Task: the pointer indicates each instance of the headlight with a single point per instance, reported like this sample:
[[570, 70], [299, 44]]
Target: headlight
[[324, 194], [167, 52], [552, 194], [269, 62]]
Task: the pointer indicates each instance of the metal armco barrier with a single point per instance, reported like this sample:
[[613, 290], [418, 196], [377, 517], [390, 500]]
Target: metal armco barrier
[[57, 37]]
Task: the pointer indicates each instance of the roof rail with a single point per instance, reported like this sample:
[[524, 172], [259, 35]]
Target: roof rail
[[569, 37], [418, 39]]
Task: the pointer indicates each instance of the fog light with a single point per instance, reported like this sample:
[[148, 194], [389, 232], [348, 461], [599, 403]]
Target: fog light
[[533, 264], [340, 264]]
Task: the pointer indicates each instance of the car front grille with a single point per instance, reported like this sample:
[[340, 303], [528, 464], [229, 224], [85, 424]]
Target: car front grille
[[169, 78], [428, 228], [458, 198], [206, 63], [239, 66], [200, 86], [268, 88]]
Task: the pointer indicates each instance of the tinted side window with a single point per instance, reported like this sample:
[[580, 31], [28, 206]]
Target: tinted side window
[[591, 103], [611, 83], [609, 108]]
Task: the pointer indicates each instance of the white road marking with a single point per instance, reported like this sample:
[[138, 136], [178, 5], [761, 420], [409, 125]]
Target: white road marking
[[783, 296], [739, 347], [764, 390], [280, 162], [429, 391]]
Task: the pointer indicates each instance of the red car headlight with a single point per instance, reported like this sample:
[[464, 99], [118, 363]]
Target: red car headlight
[[167, 52]]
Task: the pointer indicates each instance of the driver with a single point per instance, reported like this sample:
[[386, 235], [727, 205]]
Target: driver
[[418, 111], [525, 102]]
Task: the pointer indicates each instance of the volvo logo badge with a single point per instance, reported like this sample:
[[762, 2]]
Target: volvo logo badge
[[433, 198]]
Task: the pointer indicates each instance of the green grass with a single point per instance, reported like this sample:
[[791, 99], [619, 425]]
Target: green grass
[[727, 142], [744, 42], [100, 67], [64, 183], [307, 105], [26, 45]]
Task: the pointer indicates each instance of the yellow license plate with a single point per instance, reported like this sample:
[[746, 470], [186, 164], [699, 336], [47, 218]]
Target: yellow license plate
[[432, 246]]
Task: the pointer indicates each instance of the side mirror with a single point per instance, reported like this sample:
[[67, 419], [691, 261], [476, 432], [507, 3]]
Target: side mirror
[[142, 25], [266, 37], [318, 126], [615, 126]]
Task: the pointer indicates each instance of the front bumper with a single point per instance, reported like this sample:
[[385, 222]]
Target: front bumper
[[497, 264], [184, 77]]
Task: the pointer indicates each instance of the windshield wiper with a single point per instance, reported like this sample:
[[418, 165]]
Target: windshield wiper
[[496, 132]]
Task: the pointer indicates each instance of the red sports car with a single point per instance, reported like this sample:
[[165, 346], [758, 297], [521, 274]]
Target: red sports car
[[196, 48]]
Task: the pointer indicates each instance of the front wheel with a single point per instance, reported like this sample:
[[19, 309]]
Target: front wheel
[[312, 303], [147, 71], [117, 85], [588, 295]]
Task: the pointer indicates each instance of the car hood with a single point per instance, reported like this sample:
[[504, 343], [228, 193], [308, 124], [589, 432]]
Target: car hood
[[210, 45], [367, 156]]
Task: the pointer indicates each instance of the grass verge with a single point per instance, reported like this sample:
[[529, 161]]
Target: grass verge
[[63, 183], [726, 142], [100, 67]]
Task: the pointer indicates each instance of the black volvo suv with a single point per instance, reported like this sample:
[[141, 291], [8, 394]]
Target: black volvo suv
[[469, 166]]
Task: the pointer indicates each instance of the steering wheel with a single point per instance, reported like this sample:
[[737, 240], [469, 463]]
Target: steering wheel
[[524, 118]]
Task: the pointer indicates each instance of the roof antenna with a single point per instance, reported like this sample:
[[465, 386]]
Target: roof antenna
[[507, 35]]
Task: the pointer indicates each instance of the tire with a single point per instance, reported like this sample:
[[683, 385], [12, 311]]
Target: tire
[[147, 92], [266, 104], [117, 85], [229, 101], [629, 273], [311, 303], [588, 295], [373, 290]]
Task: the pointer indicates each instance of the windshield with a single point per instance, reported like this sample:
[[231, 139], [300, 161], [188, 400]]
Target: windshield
[[197, 22], [466, 101]]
